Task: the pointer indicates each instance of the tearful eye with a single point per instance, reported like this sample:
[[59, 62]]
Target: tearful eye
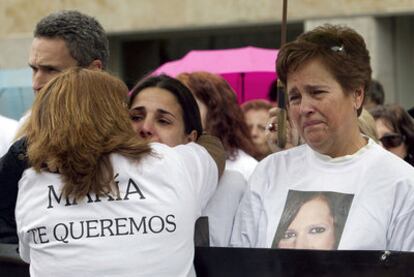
[[164, 121], [135, 117], [293, 98], [52, 70], [318, 92], [34, 69]]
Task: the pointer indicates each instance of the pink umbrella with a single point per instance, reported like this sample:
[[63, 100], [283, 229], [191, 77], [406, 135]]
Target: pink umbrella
[[249, 70]]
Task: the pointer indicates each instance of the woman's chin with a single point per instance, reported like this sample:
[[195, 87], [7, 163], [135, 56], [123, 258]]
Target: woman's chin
[[315, 139]]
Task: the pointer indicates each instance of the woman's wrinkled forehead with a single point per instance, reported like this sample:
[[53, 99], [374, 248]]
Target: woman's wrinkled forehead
[[155, 98]]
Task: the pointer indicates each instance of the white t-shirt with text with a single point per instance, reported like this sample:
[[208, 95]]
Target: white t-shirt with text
[[147, 231]]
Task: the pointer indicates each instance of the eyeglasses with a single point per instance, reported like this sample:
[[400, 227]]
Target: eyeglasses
[[391, 140]]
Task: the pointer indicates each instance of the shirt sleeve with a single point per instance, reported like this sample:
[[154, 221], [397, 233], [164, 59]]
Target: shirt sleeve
[[246, 225], [401, 231], [202, 170], [216, 150], [24, 250], [12, 166]]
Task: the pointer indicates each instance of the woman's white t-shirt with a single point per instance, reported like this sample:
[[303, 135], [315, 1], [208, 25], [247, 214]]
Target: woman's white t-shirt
[[243, 163], [8, 128], [147, 231]]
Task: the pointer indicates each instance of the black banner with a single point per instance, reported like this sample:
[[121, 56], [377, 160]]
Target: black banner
[[228, 262], [10, 262], [240, 262]]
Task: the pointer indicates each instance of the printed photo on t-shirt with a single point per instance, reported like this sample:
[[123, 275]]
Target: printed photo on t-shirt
[[312, 220]]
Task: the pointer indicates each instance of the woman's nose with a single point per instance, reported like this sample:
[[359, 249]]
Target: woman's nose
[[147, 130], [301, 242], [306, 106]]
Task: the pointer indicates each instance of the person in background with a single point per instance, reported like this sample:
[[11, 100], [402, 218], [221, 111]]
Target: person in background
[[62, 40], [271, 133], [367, 125], [256, 114], [8, 128], [163, 110], [374, 96], [95, 189], [411, 112], [222, 117], [395, 129], [326, 72], [65, 39], [272, 93]]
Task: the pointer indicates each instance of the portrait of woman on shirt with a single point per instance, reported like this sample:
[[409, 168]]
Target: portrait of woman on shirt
[[312, 220]]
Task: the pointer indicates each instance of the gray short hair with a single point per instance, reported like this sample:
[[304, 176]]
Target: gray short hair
[[83, 35]]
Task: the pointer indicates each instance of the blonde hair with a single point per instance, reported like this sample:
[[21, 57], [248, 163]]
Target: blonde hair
[[77, 120], [367, 125]]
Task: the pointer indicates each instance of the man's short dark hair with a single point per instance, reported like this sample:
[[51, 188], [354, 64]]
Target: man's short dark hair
[[84, 36], [375, 92]]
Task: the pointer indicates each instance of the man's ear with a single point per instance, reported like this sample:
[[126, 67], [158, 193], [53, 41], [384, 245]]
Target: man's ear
[[96, 65], [192, 137]]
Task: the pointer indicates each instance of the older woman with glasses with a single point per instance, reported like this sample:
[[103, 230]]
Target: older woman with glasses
[[395, 128], [326, 72]]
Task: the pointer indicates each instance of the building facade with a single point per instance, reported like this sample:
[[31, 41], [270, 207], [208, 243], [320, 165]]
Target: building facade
[[144, 34]]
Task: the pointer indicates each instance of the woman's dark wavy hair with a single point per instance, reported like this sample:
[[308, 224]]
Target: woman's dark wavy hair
[[224, 118], [341, 49], [397, 119], [191, 113]]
